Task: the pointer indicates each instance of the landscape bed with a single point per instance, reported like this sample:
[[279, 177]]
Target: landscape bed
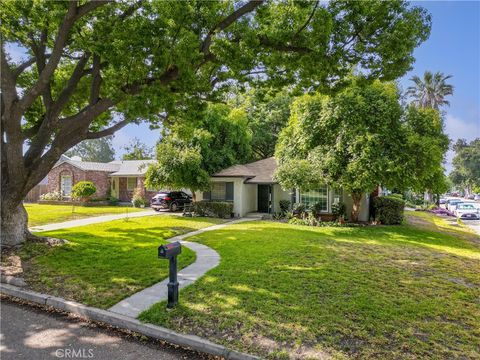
[[296, 292], [104, 263]]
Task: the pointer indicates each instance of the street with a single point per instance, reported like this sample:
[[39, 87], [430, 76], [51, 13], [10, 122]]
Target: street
[[34, 334]]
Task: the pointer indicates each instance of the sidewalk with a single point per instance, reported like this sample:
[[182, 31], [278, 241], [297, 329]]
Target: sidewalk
[[206, 260], [97, 219]]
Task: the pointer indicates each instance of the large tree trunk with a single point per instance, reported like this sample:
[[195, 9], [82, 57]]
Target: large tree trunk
[[14, 224], [356, 197]]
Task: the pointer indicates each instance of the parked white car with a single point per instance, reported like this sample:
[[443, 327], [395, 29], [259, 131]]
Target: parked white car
[[467, 210], [452, 204]]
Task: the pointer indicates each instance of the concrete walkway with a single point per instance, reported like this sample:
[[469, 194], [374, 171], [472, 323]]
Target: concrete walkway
[[206, 260], [98, 219]]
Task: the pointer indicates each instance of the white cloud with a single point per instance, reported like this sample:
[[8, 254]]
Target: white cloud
[[457, 128]]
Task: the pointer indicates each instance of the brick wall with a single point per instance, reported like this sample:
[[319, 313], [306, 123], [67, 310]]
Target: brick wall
[[99, 178], [55, 174], [101, 181], [126, 195]]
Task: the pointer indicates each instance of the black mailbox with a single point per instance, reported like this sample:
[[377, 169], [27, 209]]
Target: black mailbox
[[169, 250]]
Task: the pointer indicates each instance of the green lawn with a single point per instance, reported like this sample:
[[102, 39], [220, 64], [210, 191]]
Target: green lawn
[[104, 263], [284, 291], [41, 214]]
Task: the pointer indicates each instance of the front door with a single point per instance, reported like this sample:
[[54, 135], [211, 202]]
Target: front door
[[264, 192]]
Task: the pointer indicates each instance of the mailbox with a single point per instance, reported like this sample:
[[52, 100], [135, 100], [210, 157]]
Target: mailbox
[[168, 251]]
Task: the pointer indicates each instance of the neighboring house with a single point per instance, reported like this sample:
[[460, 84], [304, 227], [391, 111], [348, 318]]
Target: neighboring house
[[251, 188], [120, 177]]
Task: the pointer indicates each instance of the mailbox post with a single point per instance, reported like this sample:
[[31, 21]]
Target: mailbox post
[[170, 252]]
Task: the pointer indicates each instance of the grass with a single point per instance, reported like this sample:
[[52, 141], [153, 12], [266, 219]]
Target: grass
[[104, 263], [41, 214], [443, 224], [294, 292]]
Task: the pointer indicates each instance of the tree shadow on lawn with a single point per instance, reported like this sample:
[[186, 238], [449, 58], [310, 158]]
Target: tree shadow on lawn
[[357, 291], [100, 270]]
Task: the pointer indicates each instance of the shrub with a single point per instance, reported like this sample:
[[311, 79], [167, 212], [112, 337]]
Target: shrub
[[310, 220], [299, 208], [83, 190], [316, 208], [388, 209], [51, 196], [219, 209], [138, 200], [284, 206], [339, 210], [112, 200]]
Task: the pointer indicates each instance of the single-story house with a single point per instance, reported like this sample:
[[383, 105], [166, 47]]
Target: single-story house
[[251, 188], [120, 177]]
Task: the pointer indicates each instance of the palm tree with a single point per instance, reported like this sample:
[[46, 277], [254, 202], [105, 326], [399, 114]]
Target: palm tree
[[431, 91]]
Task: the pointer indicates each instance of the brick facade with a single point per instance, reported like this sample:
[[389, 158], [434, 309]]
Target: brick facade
[[99, 178], [126, 195]]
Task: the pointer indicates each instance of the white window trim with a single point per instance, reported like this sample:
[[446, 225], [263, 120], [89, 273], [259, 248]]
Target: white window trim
[[329, 202], [61, 185]]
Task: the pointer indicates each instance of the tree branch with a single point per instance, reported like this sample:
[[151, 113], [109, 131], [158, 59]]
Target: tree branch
[[73, 14], [308, 20], [70, 87], [283, 47], [108, 131], [230, 19]]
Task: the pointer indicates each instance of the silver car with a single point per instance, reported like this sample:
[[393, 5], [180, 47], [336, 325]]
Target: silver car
[[467, 211]]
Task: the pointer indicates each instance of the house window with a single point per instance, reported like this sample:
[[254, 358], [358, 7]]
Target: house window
[[336, 196], [66, 185], [218, 191], [221, 191], [131, 183], [312, 197]]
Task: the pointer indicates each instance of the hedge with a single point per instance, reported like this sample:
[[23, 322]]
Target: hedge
[[219, 209], [388, 209]]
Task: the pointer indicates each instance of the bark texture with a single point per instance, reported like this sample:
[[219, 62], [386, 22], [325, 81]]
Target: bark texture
[[356, 197], [14, 224]]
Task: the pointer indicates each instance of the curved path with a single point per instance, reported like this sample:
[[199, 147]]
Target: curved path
[[206, 260]]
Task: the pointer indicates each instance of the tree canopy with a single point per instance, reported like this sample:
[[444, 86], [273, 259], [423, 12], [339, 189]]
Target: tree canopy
[[466, 164], [267, 111], [359, 139], [99, 150], [92, 67], [191, 152], [136, 150], [430, 91]]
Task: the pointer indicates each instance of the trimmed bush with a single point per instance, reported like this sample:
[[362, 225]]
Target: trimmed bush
[[388, 209], [83, 190], [219, 209]]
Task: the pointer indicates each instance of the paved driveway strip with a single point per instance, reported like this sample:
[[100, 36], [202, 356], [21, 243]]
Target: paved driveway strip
[[97, 220], [206, 260]]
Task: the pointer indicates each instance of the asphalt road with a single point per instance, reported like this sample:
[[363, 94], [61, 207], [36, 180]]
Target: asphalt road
[[34, 334]]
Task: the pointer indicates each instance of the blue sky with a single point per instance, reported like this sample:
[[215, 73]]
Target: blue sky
[[453, 48]]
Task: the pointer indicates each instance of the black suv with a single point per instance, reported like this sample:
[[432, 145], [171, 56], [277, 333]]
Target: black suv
[[172, 200]]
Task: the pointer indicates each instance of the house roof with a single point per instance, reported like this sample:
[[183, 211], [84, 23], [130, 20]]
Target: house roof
[[132, 167], [258, 172], [116, 168]]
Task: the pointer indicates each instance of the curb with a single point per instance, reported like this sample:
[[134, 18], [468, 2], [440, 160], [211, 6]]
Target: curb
[[157, 332]]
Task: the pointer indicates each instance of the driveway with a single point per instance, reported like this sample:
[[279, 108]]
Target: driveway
[[31, 334]]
